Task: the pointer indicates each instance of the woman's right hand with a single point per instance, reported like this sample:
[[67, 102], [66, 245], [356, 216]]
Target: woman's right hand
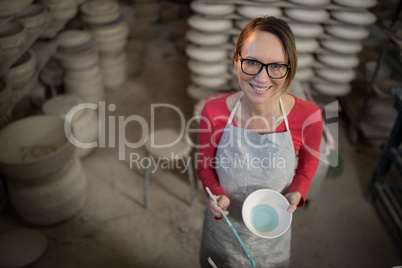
[[217, 210]]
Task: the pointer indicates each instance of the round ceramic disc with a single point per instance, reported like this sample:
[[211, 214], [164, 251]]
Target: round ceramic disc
[[209, 81], [342, 46], [306, 29], [307, 15], [207, 68], [73, 38], [337, 75], [354, 17], [356, 3], [252, 12], [209, 39], [306, 45], [212, 9], [304, 60], [339, 61], [208, 25], [304, 74], [21, 247], [206, 55], [311, 2], [347, 32]]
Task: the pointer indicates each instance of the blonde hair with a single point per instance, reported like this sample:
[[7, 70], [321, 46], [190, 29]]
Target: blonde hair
[[279, 28]]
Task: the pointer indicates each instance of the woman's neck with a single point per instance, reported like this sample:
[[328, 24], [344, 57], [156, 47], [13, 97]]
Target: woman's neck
[[266, 109]]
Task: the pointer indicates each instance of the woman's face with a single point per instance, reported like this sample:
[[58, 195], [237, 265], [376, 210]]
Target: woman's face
[[265, 48]]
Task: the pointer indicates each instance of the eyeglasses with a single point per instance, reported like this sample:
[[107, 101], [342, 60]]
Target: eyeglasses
[[254, 67]]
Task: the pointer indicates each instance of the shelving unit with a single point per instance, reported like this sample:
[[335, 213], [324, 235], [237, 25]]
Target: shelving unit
[[355, 108], [43, 44], [386, 196]]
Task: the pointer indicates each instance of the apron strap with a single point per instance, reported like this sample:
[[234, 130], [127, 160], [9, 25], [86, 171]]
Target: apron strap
[[285, 118], [234, 109]]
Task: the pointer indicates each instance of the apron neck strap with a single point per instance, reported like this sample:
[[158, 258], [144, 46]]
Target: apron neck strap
[[285, 118], [234, 109]]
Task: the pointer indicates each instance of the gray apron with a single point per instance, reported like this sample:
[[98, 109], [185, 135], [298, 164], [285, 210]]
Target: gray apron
[[248, 161]]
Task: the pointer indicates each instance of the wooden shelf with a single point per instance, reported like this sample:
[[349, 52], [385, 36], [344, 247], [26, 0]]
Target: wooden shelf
[[48, 32], [43, 51]]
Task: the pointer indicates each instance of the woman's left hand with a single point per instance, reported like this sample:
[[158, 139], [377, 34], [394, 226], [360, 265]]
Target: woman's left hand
[[294, 199]]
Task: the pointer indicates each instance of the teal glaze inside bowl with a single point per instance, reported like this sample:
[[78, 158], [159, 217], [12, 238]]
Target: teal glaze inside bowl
[[264, 218]]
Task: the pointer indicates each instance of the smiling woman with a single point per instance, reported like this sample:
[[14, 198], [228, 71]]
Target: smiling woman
[[260, 122]]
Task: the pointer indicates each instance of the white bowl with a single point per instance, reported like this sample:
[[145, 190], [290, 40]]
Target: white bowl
[[265, 213]]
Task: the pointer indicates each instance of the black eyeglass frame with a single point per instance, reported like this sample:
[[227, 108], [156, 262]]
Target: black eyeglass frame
[[266, 67]]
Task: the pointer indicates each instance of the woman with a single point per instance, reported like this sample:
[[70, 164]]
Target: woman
[[248, 141]]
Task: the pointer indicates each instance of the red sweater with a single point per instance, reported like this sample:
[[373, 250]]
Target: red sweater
[[305, 124]]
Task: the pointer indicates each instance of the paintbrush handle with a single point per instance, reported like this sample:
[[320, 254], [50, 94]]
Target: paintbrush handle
[[232, 228]]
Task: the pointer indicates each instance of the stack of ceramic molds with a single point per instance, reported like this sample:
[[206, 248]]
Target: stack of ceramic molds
[[110, 32], [78, 55], [328, 37], [45, 179], [208, 48], [84, 122]]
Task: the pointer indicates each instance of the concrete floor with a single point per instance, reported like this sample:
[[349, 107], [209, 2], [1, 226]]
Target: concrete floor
[[338, 229]]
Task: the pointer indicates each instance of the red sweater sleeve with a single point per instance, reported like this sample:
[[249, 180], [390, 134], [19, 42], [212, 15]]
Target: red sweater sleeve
[[213, 120]]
